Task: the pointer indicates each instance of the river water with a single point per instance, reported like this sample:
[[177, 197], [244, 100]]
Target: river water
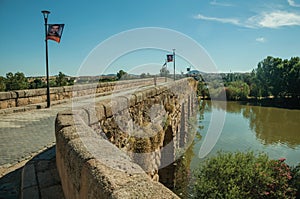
[[274, 131]]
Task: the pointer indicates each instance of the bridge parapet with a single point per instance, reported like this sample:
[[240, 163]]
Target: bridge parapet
[[115, 148], [20, 98]]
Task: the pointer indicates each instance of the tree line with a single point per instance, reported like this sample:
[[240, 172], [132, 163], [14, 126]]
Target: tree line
[[18, 81], [273, 77]]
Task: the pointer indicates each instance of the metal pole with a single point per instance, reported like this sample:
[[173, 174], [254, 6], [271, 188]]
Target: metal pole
[[47, 68], [174, 62], [166, 74]]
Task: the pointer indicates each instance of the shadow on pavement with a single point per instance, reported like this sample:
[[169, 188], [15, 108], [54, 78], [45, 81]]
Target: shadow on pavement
[[38, 178]]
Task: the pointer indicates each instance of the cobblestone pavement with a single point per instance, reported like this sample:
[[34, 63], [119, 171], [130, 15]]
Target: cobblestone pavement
[[26, 132]]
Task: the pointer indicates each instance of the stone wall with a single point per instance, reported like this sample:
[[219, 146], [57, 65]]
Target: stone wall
[[21, 98], [115, 148]]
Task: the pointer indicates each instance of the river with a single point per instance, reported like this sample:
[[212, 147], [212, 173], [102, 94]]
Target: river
[[274, 131]]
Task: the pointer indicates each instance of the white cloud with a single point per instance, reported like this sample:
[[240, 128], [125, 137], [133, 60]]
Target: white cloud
[[261, 39], [222, 20], [292, 3], [274, 20], [215, 3]]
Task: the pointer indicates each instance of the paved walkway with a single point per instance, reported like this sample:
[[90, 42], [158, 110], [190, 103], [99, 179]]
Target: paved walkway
[[27, 154], [26, 132]]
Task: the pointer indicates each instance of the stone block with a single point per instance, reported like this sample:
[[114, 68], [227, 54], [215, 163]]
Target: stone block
[[7, 103], [100, 112], [68, 88], [30, 93], [28, 176], [70, 133], [151, 92], [35, 100], [139, 96], [91, 114], [53, 192], [63, 121], [13, 94], [5, 95], [22, 101], [68, 187], [115, 105], [20, 93], [48, 178], [30, 192], [53, 90]]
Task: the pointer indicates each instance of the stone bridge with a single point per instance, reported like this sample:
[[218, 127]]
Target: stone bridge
[[125, 146]]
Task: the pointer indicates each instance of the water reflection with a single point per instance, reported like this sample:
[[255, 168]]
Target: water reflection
[[271, 125], [182, 174]]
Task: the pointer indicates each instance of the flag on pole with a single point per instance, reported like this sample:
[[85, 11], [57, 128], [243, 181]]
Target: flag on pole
[[165, 64], [55, 32], [169, 58]]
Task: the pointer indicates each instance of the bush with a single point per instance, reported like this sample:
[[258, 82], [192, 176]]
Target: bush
[[295, 182], [243, 175]]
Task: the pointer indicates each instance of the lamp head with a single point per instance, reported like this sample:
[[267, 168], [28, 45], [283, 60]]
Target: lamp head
[[46, 13]]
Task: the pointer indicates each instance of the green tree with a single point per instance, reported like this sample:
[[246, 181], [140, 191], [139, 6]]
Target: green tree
[[61, 79], [237, 90], [276, 77], [121, 75], [2, 84], [143, 75], [202, 89], [292, 76], [16, 81], [71, 81], [37, 83], [52, 83]]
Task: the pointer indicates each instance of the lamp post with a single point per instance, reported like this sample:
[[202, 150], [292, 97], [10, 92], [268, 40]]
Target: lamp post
[[174, 62], [45, 14]]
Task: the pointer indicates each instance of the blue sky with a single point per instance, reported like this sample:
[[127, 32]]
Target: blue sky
[[235, 34]]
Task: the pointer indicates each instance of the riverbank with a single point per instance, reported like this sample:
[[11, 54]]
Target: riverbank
[[288, 102]]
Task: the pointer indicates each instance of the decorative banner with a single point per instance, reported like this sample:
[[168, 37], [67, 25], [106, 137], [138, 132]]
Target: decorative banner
[[55, 31], [169, 58]]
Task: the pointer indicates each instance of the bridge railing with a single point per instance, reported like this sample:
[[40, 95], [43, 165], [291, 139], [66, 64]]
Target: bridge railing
[[21, 98]]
